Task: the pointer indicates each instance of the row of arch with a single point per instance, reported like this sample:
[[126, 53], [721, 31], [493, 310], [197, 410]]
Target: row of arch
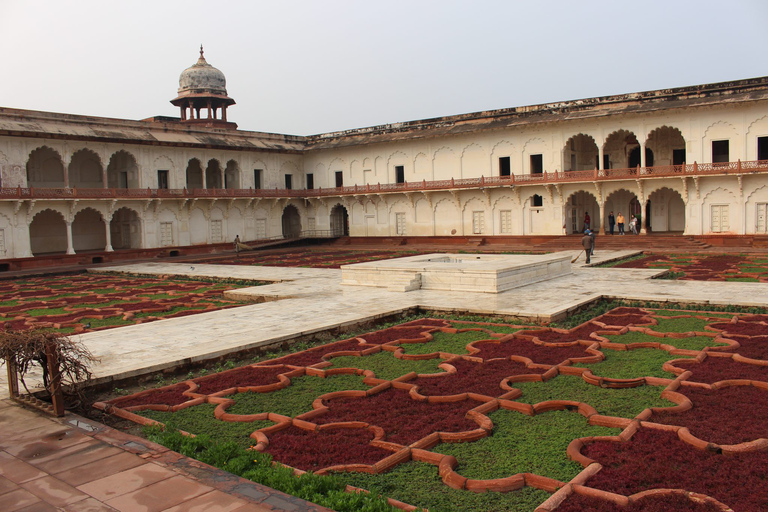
[[45, 169]]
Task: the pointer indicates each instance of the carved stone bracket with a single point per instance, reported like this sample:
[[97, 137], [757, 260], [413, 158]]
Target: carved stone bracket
[[696, 184], [685, 189], [428, 197], [73, 207], [559, 188], [487, 194], [409, 196], [640, 191], [457, 199], [739, 177], [599, 191]]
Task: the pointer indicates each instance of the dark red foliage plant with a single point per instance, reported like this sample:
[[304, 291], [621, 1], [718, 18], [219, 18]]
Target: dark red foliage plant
[[658, 459], [481, 378], [315, 450], [729, 415], [541, 354], [654, 503], [162, 396], [246, 376], [394, 334], [403, 419], [315, 355], [714, 369]]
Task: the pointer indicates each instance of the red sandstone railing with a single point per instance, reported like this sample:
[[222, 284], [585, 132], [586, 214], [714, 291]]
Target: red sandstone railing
[[545, 178]]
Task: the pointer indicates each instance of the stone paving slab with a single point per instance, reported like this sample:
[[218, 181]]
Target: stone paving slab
[[40, 470], [303, 301]]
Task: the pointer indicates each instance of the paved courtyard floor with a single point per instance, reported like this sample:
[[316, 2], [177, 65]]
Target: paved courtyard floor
[[74, 464], [302, 301]]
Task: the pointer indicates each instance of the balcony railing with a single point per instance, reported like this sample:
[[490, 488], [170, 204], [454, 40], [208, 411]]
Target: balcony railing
[[544, 178]]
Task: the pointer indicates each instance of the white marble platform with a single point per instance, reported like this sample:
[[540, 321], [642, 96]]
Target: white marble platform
[[477, 273]]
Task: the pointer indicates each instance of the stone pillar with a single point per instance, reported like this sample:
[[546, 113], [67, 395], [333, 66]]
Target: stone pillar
[[107, 223], [643, 220], [600, 153], [601, 205], [70, 246], [642, 155]]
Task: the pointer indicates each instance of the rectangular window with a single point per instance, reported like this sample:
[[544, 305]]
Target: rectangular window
[[310, 181], [288, 181], [537, 201], [216, 232], [123, 180], [478, 223], [166, 234], [537, 164], [678, 156], [762, 148], [720, 153], [761, 227], [261, 229], [505, 167], [339, 179], [311, 223], [400, 224], [720, 221], [162, 179], [505, 222], [257, 178], [606, 161], [399, 174]]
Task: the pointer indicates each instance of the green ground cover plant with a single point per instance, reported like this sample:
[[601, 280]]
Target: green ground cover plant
[[691, 343], [387, 366], [295, 399], [200, 419], [419, 484], [323, 490], [689, 324], [444, 342], [524, 444], [743, 279], [500, 329], [620, 402], [631, 364]]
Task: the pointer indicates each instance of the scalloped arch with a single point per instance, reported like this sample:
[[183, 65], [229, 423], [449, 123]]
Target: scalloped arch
[[163, 162], [443, 149], [584, 135], [568, 199], [289, 165], [503, 142], [396, 154], [399, 201], [719, 124], [621, 132], [483, 204], [45, 147], [472, 147], [621, 189], [649, 133], [719, 189], [87, 151], [495, 203], [101, 214], [758, 121], [755, 191], [342, 164], [659, 188], [51, 209], [532, 141]]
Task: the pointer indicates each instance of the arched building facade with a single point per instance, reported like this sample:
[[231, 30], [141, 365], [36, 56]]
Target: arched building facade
[[690, 161]]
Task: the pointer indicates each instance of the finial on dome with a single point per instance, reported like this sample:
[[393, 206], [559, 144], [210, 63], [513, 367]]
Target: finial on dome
[[201, 51]]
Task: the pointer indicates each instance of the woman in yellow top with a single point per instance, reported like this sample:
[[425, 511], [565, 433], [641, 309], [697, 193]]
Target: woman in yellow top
[[620, 223]]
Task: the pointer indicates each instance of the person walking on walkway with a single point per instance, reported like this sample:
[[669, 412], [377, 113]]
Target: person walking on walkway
[[587, 243], [586, 220], [620, 222], [611, 222], [633, 225]]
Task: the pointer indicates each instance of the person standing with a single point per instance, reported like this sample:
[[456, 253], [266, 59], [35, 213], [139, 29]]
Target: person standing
[[586, 220], [633, 225], [591, 233], [587, 243], [237, 244], [620, 222], [611, 222]]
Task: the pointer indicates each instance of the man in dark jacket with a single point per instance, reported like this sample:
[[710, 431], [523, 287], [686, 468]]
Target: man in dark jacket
[[611, 221], [587, 243]]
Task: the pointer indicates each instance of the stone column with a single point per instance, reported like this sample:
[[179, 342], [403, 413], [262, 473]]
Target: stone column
[[600, 157], [643, 221], [601, 205], [107, 223], [642, 155], [70, 246]]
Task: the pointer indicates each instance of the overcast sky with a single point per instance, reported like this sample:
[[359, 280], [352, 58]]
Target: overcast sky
[[307, 67]]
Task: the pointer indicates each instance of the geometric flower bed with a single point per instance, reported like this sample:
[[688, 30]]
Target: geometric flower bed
[[700, 267], [302, 257], [77, 303], [637, 409]]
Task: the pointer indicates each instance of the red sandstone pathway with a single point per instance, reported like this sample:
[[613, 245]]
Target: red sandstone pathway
[[74, 464]]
